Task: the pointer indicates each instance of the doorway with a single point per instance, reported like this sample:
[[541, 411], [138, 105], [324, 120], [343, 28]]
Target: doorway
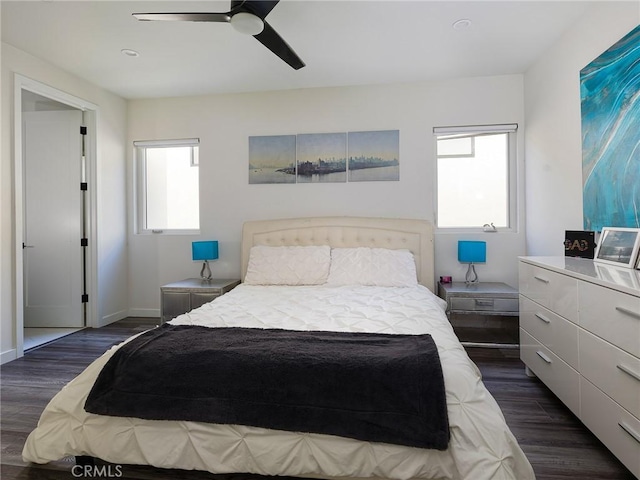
[[55, 259], [53, 221]]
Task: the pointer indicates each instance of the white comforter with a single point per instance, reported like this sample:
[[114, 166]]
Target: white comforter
[[481, 447]]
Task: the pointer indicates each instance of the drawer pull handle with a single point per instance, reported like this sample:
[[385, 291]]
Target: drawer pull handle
[[541, 279], [626, 311], [543, 356], [484, 303], [542, 317], [630, 431], [629, 372]]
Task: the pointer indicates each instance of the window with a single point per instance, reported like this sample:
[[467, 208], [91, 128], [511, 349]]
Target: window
[[167, 186], [475, 176]]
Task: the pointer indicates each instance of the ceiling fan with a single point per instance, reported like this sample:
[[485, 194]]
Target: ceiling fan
[[246, 16]]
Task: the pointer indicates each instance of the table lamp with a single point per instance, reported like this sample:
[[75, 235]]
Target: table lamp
[[471, 252], [205, 251]]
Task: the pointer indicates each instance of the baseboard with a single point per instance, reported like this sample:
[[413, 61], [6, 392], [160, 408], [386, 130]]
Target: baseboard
[[113, 317], [144, 312], [8, 356]]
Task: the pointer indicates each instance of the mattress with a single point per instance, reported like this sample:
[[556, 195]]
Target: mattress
[[481, 445]]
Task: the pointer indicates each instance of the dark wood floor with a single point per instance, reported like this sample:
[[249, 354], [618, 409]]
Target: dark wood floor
[[556, 443]]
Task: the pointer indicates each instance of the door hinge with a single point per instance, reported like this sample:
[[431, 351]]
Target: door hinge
[[84, 242], [83, 186], [85, 298], [83, 130]]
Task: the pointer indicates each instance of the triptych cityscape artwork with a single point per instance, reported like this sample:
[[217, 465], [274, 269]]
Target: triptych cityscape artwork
[[325, 157]]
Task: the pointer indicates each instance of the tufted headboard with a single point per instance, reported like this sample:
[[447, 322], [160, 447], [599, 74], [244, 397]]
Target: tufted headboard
[[393, 233]]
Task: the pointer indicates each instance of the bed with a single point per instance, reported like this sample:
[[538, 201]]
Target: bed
[[308, 297]]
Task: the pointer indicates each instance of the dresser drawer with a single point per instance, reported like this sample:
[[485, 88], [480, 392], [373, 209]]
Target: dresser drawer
[[551, 330], [551, 370], [552, 290], [612, 315], [612, 424], [479, 304], [612, 370]]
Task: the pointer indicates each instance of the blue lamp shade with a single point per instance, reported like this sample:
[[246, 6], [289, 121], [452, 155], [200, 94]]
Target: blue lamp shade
[[470, 251], [207, 250]]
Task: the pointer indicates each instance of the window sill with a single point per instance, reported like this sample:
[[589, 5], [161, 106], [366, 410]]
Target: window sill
[[167, 232]]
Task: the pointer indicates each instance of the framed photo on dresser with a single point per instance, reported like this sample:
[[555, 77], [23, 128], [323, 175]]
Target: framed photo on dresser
[[618, 246], [578, 243]]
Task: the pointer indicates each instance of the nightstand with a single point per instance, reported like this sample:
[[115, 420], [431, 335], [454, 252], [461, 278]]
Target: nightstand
[[483, 299], [183, 296]]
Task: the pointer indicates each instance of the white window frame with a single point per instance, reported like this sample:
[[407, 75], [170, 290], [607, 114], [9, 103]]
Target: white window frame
[[511, 130], [140, 194]]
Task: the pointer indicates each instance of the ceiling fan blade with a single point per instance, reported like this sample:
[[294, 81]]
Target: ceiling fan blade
[[274, 42], [183, 17], [260, 8]]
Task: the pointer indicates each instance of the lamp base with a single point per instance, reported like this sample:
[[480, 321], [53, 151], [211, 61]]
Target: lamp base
[[471, 277], [205, 272]]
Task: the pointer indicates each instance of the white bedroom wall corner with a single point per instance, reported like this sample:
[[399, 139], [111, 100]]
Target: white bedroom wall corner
[[7, 330], [553, 145], [2, 355], [111, 192], [110, 128]]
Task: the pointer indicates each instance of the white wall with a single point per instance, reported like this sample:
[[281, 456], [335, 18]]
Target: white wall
[[224, 122], [549, 94], [111, 276], [553, 135], [3, 266]]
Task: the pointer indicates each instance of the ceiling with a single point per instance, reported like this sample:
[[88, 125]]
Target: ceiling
[[342, 42]]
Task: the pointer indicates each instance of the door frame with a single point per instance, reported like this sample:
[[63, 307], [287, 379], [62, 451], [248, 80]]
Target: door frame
[[90, 120]]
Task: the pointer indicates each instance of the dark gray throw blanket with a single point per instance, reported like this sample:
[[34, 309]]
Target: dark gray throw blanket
[[367, 386]]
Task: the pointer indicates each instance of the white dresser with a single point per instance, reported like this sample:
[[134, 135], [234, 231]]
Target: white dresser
[[580, 335]]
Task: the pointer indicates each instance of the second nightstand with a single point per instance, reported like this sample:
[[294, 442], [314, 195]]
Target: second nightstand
[[183, 296], [483, 298]]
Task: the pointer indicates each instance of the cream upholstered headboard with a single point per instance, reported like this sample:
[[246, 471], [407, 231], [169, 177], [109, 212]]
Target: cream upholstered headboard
[[394, 233]]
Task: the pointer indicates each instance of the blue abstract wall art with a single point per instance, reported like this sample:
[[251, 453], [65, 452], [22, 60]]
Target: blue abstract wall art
[[610, 106]]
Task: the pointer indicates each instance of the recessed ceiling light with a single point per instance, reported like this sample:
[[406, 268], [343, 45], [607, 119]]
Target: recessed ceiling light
[[129, 53], [462, 24]]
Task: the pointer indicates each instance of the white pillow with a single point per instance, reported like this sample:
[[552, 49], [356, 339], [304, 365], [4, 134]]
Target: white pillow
[[380, 267], [288, 265]]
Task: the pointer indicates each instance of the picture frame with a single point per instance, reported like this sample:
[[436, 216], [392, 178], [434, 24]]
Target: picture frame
[[338, 157], [618, 246], [579, 243], [618, 276]]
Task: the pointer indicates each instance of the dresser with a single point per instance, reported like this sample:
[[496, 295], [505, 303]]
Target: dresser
[[580, 335], [183, 296]]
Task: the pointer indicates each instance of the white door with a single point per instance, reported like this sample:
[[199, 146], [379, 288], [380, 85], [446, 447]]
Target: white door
[[52, 252]]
